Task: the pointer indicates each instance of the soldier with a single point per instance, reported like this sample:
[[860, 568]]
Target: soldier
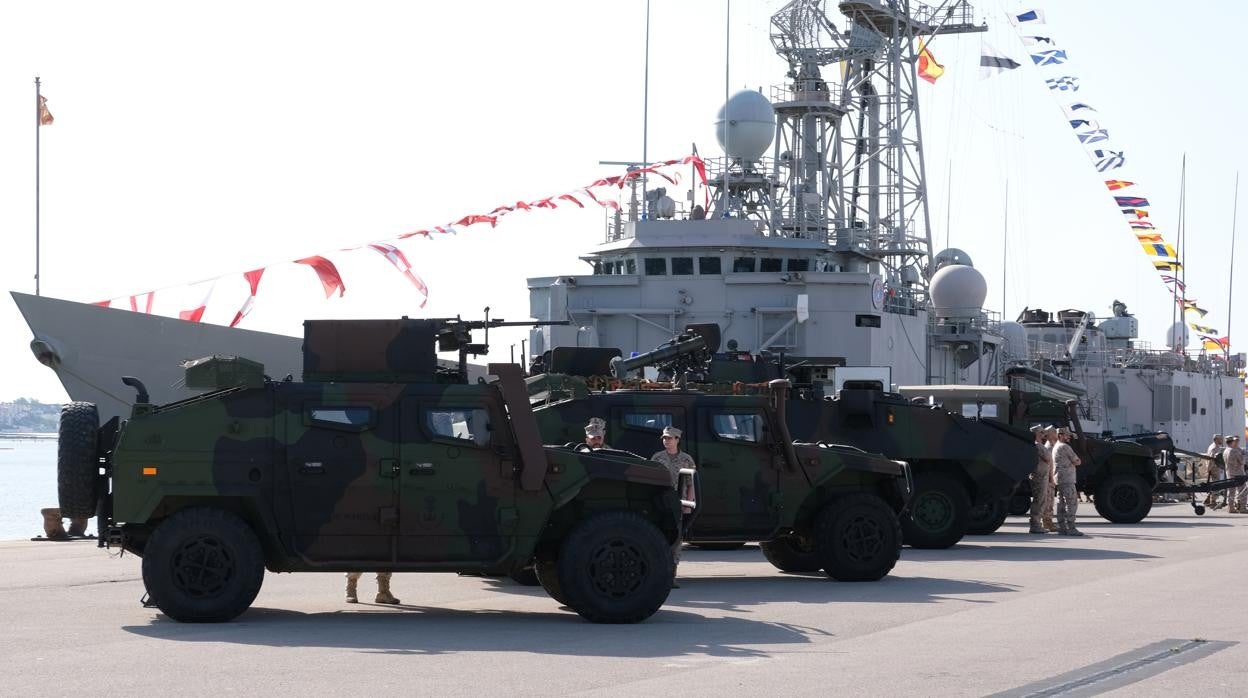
[[1050, 438], [675, 459], [1041, 481], [1215, 467], [1064, 462], [1234, 458], [383, 588], [596, 433]]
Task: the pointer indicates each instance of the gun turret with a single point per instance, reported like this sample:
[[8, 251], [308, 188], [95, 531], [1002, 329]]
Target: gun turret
[[688, 352]]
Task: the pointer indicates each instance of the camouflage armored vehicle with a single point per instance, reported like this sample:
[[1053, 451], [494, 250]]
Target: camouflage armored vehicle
[[377, 461], [812, 506], [963, 467]]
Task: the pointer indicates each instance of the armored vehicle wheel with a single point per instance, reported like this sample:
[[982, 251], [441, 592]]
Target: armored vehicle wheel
[[938, 512], [203, 565], [984, 519], [857, 538], [717, 545], [790, 554], [1123, 499], [525, 576], [77, 466], [1020, 501], [615, 567], [548, 576]]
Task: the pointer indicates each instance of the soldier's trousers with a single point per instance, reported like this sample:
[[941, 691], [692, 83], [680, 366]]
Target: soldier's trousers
[[355, 576], [1067, 505], [1041, 497], [1236, 497]]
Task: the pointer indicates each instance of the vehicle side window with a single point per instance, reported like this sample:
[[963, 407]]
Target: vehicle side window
[[458, 424], [738, 426], [653, 421], [347, 418]]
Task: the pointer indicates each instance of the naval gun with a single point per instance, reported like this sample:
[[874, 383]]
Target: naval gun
[[687, 353]]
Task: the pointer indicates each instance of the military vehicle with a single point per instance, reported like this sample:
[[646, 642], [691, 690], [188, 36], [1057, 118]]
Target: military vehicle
[[963, 467], [812, 506], [378, 460]]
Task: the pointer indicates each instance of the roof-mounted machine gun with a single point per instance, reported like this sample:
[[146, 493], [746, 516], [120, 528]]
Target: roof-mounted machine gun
[[687, 353], [400, 351]]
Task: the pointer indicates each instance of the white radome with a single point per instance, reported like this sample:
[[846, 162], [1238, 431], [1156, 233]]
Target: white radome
[[745, 125], [1179, 330], [958, 288]]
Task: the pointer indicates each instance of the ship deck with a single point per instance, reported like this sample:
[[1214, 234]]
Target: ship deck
[[999, 613]]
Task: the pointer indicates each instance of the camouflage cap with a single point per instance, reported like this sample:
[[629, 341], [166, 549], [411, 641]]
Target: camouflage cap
[[1217, 436], [1036, 428], [672, 432], [596, 427], [1063, 430]]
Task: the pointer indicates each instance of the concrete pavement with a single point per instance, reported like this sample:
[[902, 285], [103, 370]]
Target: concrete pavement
[[1014, 613]]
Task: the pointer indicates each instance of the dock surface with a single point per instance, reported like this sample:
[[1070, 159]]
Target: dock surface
[[1155, 608]]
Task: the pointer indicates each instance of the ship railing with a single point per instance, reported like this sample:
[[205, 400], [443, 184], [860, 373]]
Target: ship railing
[[962, 320], [807, 91], [617, 221], [900, 299], [957, 14], [1134, 357]]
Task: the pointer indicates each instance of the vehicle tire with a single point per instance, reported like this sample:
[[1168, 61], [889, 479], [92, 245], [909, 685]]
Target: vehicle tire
[[525, 576], [984, 519], [547, 572], [717, 545], [1020, 501], [77, 463], [615, 567], [938, 512], [857, 538], [790, 554], [1123, 499], [203, 565]]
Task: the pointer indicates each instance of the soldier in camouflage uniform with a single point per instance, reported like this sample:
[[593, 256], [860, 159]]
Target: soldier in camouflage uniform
[[1216, 452], [1233, 456], [675, 459], [596, 433], [1041, 481], [1064, 462], [383, 588]]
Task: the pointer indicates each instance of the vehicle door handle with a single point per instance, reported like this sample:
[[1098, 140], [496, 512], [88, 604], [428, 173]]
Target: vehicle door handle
[[423, 469]]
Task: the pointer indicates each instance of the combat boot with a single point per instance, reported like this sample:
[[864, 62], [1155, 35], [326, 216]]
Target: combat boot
[[77, 528], [1048, 524], [383, 591], [1072, 531], [352, 583], [53, 529], [1037, 528]]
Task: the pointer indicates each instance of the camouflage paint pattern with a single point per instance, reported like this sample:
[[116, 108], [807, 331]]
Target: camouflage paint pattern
[[369, 476], [750, 487]]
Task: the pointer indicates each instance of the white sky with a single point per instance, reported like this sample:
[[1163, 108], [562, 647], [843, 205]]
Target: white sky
[[195, 141]]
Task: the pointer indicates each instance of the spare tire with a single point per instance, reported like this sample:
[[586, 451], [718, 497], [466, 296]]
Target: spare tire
[[77, 463]]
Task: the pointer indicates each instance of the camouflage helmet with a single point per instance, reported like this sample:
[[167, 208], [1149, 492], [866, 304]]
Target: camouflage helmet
[[672, 432], [596, 427]]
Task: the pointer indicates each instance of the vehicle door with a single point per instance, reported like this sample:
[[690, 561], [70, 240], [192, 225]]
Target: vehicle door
[[341, 466], [457, 464], [639, 427], [738, 469]]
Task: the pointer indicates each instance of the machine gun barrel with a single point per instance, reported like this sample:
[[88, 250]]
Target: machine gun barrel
[[663, 356]]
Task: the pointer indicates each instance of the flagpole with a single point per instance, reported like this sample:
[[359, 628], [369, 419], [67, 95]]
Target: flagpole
[[1230, 291], [1005, 243], [38, 117]]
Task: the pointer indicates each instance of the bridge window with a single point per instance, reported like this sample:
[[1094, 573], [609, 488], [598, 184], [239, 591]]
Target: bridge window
[[682, 266], [656, 266], [799, 264], [708, 265], [630, 266], [769, 264], [743, 264]]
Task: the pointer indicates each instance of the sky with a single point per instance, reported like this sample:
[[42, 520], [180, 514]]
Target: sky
[[194, 142]]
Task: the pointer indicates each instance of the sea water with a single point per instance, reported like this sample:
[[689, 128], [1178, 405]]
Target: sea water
[[27, 484]]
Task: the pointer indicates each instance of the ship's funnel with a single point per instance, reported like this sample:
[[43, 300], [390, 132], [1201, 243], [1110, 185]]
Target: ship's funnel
[[958, 290], [745, 126]]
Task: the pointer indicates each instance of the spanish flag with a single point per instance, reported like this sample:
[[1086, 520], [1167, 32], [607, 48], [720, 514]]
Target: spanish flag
[[929, 69]]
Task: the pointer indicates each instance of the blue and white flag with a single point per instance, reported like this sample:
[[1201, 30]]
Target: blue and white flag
[[1036, 16], [1108, 159], [1094, 136], [1049, 58], [1089, 123], [1078, 106], [1063, 83], [1036, 40]]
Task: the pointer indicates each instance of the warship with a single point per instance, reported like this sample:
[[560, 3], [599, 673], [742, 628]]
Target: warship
[[812, 243]]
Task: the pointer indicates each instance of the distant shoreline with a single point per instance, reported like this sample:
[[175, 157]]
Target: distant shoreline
[[25, 435]]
